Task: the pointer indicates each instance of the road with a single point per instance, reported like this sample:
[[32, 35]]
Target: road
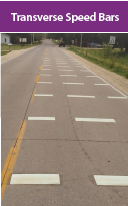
[[60, 118]]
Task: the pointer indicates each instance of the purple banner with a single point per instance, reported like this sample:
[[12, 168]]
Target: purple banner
[[64, 16]]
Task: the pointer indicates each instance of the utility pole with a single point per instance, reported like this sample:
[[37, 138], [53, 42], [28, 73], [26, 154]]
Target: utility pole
[[81, 41], [33, 38]]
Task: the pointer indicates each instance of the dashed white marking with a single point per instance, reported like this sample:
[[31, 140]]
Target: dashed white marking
[[44, 82], [63, 66], [46, 65], [47, 75], [117, 97], [43, 95], [111, 180], [101, 84], [91, 76], [81, 96], [94, 120], [68, 75], [41, 118], [85, 71], [65, 70], [35, 179], [46, 60], [100, 78], [79, 66], [46, 69], [59, 59], [61, 63], [73, 83]]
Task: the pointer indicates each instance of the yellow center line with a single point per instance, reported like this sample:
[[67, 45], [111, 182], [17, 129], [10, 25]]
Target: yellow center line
[[41, 67], [37, 78], [11, 159], [32, 99]]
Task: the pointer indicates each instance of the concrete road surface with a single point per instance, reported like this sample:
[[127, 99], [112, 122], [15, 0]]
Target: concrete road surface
[[61, 119]]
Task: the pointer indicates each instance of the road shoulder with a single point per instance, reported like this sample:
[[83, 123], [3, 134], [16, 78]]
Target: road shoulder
[[112, 78]]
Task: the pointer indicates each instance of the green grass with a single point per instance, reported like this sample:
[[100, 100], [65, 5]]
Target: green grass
[[114, 60], [17, 46], [4, 53]]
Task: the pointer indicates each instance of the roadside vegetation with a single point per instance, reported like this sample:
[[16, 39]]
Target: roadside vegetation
[[5, 48], [114, 60]]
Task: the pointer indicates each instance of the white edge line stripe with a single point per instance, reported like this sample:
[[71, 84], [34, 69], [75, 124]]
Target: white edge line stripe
[[35, 179], [41, 118], [43, 95], [111, 180], [94, 120], [73, 83], [80, 96]]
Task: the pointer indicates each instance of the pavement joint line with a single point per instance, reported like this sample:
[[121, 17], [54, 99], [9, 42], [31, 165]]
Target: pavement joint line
[[43, 95], [108, 180], [94, 120], [76, 140], [11, 159], [32, 98], [73, 83], [81, 96], [44, 82], [41, 118], [110, 97], [35, 179]]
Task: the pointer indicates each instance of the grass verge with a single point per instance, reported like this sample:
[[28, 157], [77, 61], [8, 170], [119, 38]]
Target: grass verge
[[4, 53], [15, 47], [114, 60]]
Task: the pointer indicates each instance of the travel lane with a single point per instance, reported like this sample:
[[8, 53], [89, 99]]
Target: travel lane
[[17, 83], [54, 147]]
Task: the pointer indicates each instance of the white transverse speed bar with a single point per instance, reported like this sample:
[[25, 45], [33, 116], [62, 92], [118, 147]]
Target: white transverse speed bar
[[94, 120], [35, 179], [111, 180]]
